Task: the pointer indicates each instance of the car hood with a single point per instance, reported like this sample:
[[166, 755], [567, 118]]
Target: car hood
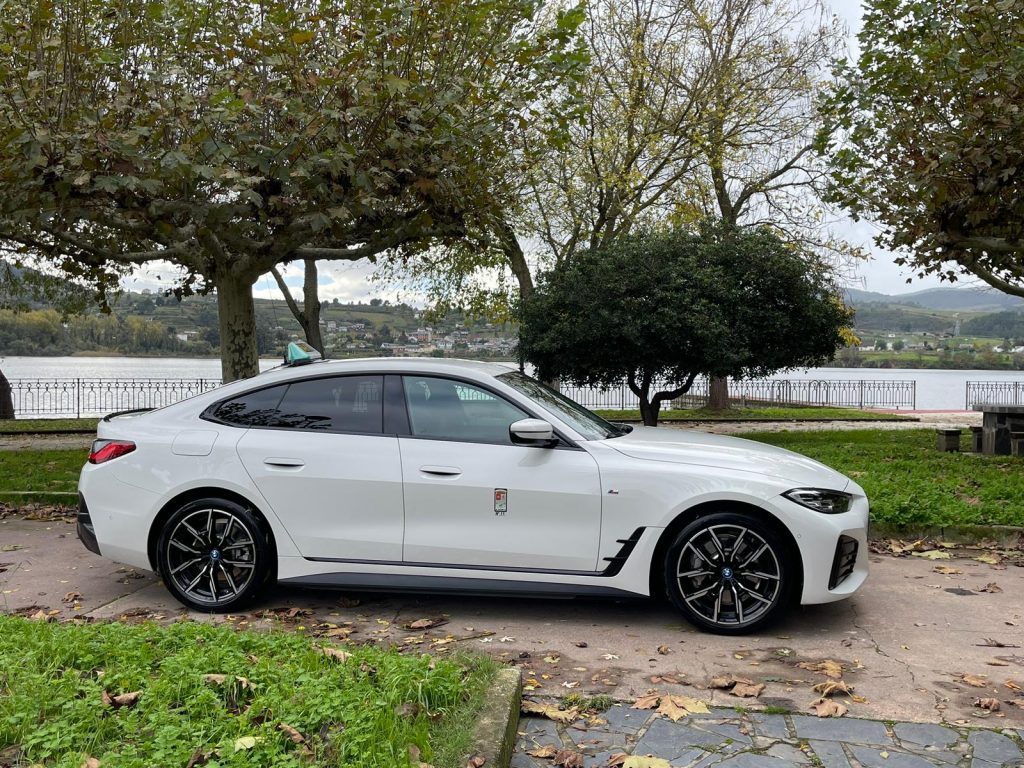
[[704, 449]]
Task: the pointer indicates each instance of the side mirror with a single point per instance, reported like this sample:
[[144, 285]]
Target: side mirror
[[535, 432]]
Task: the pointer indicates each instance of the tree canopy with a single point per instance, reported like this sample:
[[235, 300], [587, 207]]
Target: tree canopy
[[226, 138], [931, 136], [658, 310]]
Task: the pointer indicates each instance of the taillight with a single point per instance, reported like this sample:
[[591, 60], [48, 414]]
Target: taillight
[[105, 450]]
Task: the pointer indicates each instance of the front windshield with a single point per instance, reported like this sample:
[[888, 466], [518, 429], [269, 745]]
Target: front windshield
[[589, 425]]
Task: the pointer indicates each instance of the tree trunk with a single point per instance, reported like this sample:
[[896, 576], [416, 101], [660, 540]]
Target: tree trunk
[[6, 398], [648, 411], [236, 312], [311, 308], [718, 394]]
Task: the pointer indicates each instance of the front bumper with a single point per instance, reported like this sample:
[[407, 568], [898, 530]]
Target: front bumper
[[86, 531]]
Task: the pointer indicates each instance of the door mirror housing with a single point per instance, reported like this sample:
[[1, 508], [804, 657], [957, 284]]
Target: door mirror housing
[[534, 432]]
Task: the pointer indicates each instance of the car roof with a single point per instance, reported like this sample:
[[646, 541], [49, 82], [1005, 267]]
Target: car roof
[[418, 364]]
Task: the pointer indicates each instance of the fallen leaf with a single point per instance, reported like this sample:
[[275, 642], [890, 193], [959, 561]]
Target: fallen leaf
[[932, 554], [1013, 686], [476, 762], [221, 679], [549, 711], [41, 616], [608, 656], [91, 762], [647, 701], [989, 559], [998, 663], [827, 667], [291, 733], [246, 742], [121, 700], [884, 755], [992, 643], [198, 758], [664, 650], [746, 690], [671, 710], [568, 758], [978, 681], [832, 687], [335, 653], [946, 569], [728, 681], [71, 597], [828, 708], [991, 587], [616, 760], [992, 705], [580, 644], [648, 761], [427, 623], [552, 659], [546, 751], [675, 707]]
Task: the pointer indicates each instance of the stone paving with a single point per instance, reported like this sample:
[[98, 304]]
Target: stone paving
[[731, 739]]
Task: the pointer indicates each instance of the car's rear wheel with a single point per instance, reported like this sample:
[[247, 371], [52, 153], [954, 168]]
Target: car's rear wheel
[[729, 573], [214, 555]]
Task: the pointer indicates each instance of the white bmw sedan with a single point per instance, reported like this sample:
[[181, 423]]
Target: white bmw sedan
[[434, 475]]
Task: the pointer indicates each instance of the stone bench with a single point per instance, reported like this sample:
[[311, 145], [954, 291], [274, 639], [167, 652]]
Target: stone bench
[[1017, 443], [948, 440], [978, 439]]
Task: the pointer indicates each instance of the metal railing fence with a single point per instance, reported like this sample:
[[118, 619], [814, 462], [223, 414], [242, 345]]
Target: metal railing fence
[[53, 398], [994, 393], [809, 392]]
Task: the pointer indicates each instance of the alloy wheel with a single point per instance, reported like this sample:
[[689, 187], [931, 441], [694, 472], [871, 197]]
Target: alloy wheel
[[728, 574], [211, 556]]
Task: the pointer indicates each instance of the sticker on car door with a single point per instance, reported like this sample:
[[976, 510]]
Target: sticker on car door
[[500, 501]]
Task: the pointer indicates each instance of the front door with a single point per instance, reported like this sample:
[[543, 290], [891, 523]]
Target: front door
[[472, 498]]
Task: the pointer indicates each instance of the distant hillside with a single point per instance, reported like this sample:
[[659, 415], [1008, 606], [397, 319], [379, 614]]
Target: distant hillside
[[945, 299]]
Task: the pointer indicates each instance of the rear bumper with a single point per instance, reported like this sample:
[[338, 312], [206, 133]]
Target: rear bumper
[[86, 531]]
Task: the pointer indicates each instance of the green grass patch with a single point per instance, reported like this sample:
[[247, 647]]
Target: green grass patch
[[365, 711], [42, 426], [755, 414], [49, 476], [909, 482]]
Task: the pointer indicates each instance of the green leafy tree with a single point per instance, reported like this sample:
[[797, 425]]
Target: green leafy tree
[[226, 138], [931, 136], [670, 307]]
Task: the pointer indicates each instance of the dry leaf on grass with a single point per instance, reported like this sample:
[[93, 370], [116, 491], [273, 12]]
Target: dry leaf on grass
[[121, 700], [828, 708], [291, 733], [827, 667], [335, 653], [568, 758], [198, 758], [246, 742], [549, 711], [978, 681], [992, 705], [221, 679], [832, 687], [545, 751], [91, 762]]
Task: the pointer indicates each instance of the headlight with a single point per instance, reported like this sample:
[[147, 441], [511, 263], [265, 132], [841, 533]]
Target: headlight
[[820, 500]]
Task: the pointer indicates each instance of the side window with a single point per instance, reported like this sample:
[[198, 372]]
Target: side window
[[253, 409], [338, 404], [454, 410]]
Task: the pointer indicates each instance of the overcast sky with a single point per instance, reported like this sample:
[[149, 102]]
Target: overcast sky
[[350, 282]]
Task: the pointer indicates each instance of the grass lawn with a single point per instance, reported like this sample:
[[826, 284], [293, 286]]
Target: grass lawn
[[42, 426], [280, 702], [49, 475], [755, 414], [910, 482]]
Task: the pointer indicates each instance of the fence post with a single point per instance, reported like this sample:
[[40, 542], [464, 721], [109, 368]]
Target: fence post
[[913, 395], [78, 398]]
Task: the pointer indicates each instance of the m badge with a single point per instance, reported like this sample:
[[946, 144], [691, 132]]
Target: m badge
[[500, 501]]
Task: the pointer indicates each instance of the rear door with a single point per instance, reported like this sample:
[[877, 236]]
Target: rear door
[[316, 451], [472, 498]]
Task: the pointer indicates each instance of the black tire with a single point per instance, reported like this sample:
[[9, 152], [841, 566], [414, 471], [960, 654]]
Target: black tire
[[214, 555], [729, 573]]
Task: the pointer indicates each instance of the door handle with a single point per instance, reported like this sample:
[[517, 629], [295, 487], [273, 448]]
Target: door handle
[[441, 471], [284, 463]]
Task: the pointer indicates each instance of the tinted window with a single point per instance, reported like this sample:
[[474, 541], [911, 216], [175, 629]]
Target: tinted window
[[253, 409], [454, 410], [588, 424], [339, 404]]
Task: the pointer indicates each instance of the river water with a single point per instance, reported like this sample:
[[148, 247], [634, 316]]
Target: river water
[[936, 390]]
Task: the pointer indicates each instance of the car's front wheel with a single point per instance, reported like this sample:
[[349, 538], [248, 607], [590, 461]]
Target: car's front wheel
[[214, 555], [729, 573]]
